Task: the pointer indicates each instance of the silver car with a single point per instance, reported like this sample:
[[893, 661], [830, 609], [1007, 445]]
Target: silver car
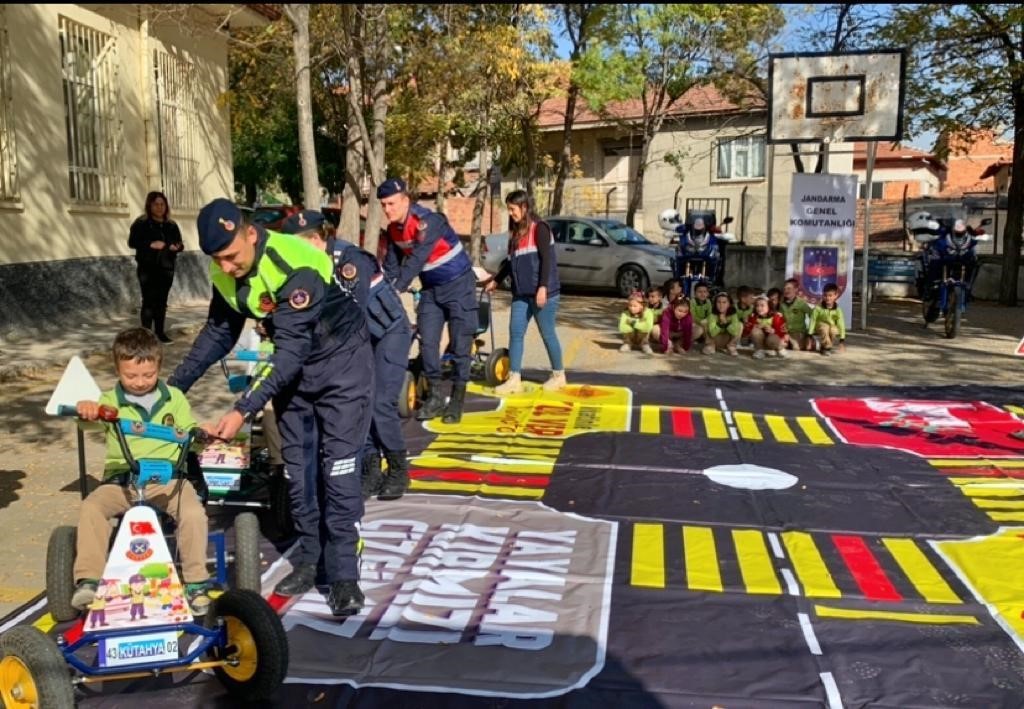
[[596, 253]]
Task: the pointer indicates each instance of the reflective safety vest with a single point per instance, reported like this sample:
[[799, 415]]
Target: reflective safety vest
[[525, 262], [447, 260]]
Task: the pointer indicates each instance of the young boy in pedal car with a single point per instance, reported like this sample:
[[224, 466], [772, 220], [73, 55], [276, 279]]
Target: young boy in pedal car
[[140, 395]]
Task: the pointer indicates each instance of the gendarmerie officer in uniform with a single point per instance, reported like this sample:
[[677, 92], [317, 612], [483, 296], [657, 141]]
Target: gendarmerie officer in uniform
[[359, 273], [321, 367], [419, 242]]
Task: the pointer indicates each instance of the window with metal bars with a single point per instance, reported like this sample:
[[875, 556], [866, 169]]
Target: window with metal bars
[[177, 129], [92, 113], [8, 146]]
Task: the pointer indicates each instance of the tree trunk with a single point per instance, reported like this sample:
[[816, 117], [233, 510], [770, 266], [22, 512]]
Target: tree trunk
[[352, 193], [530, 150], [299, 16], [374, 216], [566, 158], [250, 193], [636, 200], [442, 173], [1015, 203], [483, 187]]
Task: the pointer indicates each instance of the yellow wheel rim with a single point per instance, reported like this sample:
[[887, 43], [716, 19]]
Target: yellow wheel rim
[[410, 395], [17, 687], [501, 369], [244, 651]]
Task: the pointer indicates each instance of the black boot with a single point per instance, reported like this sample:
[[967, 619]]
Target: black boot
[[453, 414], [158, 327], [345, 598], [301, 579], [372, 477], [434, 405], [396, 482]]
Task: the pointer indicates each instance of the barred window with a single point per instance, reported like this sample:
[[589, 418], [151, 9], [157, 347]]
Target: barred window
[[8, 149], [741, 158], [92, 110], [177, 128]]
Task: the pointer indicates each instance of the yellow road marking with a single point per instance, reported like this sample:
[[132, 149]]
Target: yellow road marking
[[929, 618], [977, 462], [483, 488], [991, 490], [813, 430], [45, 623], [998, 504], [1019, 410], [922, 574], [1006, 517], [809, 565], [439, 462], [747, 427], [780, 429], [650, 419], [702, 572], [714, 422], [755, 563], [648, 564]]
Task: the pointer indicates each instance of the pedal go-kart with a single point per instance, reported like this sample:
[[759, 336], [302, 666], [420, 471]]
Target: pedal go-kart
[[490, 366], [140, 624]]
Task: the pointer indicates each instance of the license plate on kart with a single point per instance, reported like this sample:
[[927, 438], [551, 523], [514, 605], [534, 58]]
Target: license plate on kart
[[223, 482], [138, 649]]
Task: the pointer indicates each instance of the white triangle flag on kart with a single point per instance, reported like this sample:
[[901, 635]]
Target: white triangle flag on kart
[[76, 384]]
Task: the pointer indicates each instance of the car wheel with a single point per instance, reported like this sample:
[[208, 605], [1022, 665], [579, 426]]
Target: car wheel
[[630, 279]]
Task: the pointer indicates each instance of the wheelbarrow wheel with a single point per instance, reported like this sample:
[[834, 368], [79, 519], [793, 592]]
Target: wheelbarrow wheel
[[33, 672], [247, 552], [60, 573], [256, 646], [496, 368]]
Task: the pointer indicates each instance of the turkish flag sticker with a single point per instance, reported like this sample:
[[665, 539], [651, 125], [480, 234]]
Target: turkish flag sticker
[[1020, 348], [141, 528]]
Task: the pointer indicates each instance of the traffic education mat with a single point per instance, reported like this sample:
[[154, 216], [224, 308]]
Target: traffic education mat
[[665, 542]]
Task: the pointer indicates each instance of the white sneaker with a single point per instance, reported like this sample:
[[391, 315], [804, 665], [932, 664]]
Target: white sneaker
[[555, 382], [783, 354], [759, 354], [512, 385], [625, 348], [646, 349], [770, 353], [708, 349]]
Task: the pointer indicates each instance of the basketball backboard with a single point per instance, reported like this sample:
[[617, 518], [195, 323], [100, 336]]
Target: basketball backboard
[[835, 97]]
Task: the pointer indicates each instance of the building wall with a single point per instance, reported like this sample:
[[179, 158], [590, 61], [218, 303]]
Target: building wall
[[967, 161], [919, 181], [46, 234]]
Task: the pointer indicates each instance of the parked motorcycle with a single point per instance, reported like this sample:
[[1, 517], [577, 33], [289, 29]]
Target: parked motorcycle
[[700, 253]]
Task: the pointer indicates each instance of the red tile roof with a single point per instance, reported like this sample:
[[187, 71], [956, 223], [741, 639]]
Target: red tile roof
[[700, 100], [891, 155]]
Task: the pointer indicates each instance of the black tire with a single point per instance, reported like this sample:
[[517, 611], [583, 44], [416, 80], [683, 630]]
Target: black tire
[[263, 662], [27, 651], [631, 278], [953, 313], [280, 508], [60, 573], [496, 368], [408, 395], [247, 553]]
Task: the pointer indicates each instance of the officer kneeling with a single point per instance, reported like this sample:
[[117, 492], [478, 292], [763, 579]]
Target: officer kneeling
[[321, 367], [359, 273]]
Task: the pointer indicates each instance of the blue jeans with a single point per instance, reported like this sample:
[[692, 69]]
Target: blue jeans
[[524, 308]]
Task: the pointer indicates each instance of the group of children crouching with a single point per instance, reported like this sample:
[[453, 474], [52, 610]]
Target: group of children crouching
[[772, 323]]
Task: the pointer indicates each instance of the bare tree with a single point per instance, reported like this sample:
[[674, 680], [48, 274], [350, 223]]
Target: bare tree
[[298, 15]]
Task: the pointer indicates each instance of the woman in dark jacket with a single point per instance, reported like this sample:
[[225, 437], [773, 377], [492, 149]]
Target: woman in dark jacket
[[157, 241], [533, 266]]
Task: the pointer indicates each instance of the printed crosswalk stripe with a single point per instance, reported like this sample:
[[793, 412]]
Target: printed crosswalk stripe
[[702, 572], [747, 427], [915, 565], [867, 572], [473, 488], [977, 462], [682, 423], [1018, 410], [813, 430], [1006, 516], [755, 563], [441, 462], [929, 618], [650, 419], [986, 504], [714, 423], [810, 567], [648, 567], [996, 490], [780, 429]]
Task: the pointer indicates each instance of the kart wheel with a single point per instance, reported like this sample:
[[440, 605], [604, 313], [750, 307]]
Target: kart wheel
[[256, 645], [407, 396], [247, 552], [953, 313], [280, 508], [33, 672], [60, 573], [497, 368], [629, 279]]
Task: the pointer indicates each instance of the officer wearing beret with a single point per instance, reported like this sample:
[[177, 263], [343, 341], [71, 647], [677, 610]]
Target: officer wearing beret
[[419, 242], [358, 272], [320, 368]]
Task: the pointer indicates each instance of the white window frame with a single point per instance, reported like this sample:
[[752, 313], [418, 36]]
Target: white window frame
[[728, 152], [92, 112], [9, 188], [877, 190], [177, 128]]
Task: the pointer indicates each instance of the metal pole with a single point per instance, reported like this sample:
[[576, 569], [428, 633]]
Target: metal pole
[[872, 145], [771, 200], [83, 483]]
